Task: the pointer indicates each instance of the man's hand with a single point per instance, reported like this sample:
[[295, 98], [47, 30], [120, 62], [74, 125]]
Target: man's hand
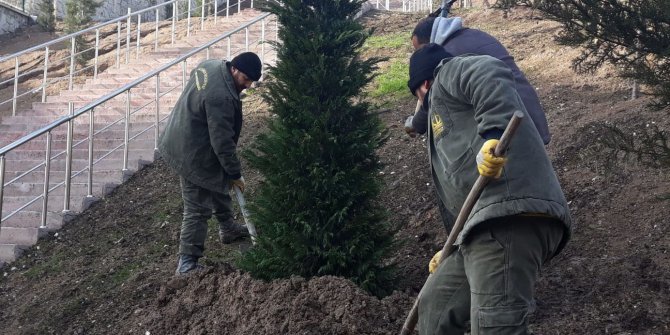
[[434, 262], [237, 182], [409, 129], [489, 165]]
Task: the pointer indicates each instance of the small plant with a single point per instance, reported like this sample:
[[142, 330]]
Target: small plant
[[393, 81], [78, 15]]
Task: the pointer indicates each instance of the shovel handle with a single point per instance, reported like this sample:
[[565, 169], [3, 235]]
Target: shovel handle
[[245, 213], [463, 215]]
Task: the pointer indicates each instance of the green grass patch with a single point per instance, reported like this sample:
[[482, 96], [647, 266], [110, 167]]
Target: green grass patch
[[53, 264], [395, 40], [392, 80]]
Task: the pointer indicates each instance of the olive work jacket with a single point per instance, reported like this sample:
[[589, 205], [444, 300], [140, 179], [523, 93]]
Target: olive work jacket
[[471, 96], [200, 137]]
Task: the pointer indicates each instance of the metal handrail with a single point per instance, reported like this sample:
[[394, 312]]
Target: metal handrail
[[123, 39], [69, 120]]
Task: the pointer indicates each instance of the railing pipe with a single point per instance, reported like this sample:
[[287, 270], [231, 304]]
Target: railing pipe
[[45, 74], [202, 15], [183, 75], [216, 10], [188, 19], [118, 45], [239, 6], [139, 35], [228, 54], [246, 39], [73, 43], [45, 191], [156, 32], [158, 110], [126, 132], [227, 8], [16, 85], [91, 134], [2, 183], [174, 19], [95, 60], [128, 23], [68, 158]]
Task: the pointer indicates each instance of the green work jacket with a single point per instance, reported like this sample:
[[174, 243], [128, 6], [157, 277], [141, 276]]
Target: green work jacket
[[471, 96], [200, 137]]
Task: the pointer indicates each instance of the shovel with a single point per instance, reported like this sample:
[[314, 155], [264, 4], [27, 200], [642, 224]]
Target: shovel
[[243, 207], [463, 215]]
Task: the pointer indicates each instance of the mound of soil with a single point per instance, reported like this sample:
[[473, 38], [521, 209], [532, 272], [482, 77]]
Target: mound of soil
[[110, 270]]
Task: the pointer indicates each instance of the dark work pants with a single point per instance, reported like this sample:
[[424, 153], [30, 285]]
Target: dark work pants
[[490, 279], [199, 205]]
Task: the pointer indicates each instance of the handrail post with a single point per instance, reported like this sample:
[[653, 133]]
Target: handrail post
[[158, 110], [175, 5], [47, 171], [95, 60], [68, 159], [207, 53], [44, 76], [239, 6], [188, 19], [91, 133], [2, 183], [246, 39], [118, 44], [128, 23], [202, 15], [183, 75], [388, 5], [252, 3], [139, 35], [16, 84], [126, 133], [216, 10], [227, 8], [262, 41], [156, 32], [73, 42]]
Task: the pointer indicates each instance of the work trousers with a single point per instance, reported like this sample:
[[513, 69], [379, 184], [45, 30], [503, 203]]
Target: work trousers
[[199, 205], [490, 279]]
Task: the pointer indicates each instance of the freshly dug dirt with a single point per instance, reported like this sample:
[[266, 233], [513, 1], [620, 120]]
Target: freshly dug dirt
[[110, 271]]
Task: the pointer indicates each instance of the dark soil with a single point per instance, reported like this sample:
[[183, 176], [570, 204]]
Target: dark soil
[[110, 271]]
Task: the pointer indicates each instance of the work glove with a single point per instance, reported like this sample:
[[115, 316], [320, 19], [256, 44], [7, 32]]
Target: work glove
[[489, 165], [434, 262], [237, 182], [409, 129]]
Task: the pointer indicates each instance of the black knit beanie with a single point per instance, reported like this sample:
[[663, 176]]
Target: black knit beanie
[[422, 64], [249, 64]]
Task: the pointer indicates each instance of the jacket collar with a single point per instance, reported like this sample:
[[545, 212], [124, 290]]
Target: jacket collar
[[228, 77]]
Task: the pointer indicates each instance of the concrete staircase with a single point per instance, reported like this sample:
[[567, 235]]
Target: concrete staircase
[[25, 166]]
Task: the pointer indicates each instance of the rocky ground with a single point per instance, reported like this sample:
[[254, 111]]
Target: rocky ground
[[110, 271]]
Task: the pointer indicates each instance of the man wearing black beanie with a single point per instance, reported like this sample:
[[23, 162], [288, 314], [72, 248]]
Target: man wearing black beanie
[[521, 219], [200, 144]]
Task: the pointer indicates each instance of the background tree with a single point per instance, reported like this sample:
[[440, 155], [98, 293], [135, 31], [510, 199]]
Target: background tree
[[316, 209], [78, 15], [632, 35], [46, 17]]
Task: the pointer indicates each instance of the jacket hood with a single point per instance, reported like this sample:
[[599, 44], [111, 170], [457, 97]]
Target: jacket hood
[[443, 27]]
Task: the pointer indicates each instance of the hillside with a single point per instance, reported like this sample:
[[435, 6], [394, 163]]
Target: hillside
[[110, 271]]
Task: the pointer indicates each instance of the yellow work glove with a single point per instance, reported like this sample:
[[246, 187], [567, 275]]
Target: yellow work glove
[[237, 182], [434, 262], [489, 165]]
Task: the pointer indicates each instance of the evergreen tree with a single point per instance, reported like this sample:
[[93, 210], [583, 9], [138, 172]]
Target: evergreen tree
[[633, 35], [316, 210], [46, 17], [78, 15]]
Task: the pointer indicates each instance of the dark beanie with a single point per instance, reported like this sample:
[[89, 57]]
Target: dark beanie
[[423, 62], [249, 64]]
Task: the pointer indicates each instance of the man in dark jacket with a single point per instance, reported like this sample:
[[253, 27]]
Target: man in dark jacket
[[521, 219], [458, 40], [200, 141]]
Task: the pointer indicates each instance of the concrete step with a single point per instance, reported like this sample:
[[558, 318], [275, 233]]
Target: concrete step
[[33, 219], [9, 253], [19, 236]]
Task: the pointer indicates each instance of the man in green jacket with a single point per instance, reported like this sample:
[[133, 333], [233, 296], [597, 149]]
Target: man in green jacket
[[200, 141], [521, 219]]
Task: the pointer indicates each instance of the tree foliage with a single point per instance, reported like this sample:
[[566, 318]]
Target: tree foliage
[[46, 17], [632, 35], [316, 211]]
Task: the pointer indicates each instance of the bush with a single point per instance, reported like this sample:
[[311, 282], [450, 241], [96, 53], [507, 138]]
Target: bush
[[316, 211], [46, 18]]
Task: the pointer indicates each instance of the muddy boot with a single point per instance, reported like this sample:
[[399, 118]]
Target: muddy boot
[[187, 264], [232, 232]]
